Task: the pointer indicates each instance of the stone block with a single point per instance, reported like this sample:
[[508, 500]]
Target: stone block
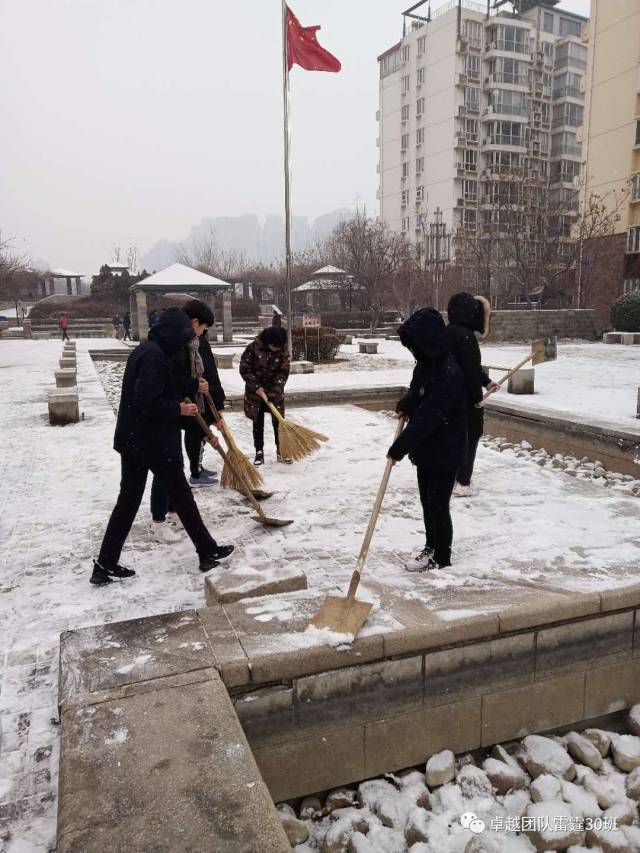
[[612, 337], [227, 585], [224, 360], [538, 707], [408, 739], [64, 406], [348, 339], [229, 656], [522, 382], [264, 703], [476, 668], [68, 362], [302, 367], [166, 770], [619, 597], [66, 378], [368, 347], [540, 607], [612, 688], [320, 760], [631, 338], [26, 328], [584, 644]]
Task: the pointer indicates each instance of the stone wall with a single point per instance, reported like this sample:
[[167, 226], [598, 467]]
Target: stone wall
[[528, 325], [603, 273]]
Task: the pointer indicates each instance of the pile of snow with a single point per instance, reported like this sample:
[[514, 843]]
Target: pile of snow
[[574, 793]]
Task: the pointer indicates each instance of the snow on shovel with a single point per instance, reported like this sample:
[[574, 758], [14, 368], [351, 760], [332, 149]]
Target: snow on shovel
[[348, 615], [541, 351]]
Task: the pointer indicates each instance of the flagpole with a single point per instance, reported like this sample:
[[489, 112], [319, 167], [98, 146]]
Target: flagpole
[[287, 173]]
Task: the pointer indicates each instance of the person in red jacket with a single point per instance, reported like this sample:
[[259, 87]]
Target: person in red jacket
[[63, 325]]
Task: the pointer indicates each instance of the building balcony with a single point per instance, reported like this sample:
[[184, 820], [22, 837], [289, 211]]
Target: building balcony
[[505, 143], [509, 48], [515, 81], [501, 112], [568, 92], [567, 151]]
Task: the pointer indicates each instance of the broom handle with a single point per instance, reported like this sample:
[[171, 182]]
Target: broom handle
[[218, 418], [508, 375], [355, 578], [274, 411], [227, 460]]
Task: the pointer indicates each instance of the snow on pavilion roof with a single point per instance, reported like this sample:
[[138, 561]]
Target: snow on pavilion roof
[[180, 275], [329, 270], [326, 284], [62, 273]]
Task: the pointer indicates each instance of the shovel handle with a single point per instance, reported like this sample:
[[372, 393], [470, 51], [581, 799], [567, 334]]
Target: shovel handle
[[508, 375], [227, 460], [355, 579], [273, 409]]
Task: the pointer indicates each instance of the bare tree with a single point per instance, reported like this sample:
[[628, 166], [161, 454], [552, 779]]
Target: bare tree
[[204, 253], [15, 276], [133, 259], [116, 253]]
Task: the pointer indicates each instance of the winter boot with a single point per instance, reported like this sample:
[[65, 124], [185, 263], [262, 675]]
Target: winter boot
[[259, 460], [422, 561], [280, 458], [207, 563], [164, 533]]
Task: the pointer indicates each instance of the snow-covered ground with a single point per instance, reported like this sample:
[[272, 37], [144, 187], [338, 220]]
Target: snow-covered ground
[[528, 524]]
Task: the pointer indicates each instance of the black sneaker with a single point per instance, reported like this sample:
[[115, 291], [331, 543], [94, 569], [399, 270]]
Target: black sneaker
[[100, 576], [121, 572], [222, 551], [207, 563], [259, 460]]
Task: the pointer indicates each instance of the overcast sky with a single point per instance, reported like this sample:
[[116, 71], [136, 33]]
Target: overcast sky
[[129, 120]]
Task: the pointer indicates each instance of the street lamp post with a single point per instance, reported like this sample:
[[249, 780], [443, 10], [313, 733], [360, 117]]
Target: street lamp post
[[438, 252]]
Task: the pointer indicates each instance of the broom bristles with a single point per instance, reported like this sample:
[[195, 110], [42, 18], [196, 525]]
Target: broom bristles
[[250, 474], [297, 441]]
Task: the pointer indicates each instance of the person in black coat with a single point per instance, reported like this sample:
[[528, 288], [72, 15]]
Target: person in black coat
[[435, 433], [469, 316], [147, 437], [126, 324]]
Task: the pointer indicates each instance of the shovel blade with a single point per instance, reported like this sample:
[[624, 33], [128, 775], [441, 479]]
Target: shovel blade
[[272, 522], [544, 350], [342, 615]]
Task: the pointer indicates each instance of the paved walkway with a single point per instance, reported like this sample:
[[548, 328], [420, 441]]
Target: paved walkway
[[59, 484]]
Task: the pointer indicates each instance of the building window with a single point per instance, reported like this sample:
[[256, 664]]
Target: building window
[[422, 42], [421, 76], [420, 248], [470, 190], [472, 66], [419, 165], [506, 133], [405, 170], [569, 27], [420, 106], [405, 112], [471, 130], [471, 160], [420, 136], [390, 63], [404, 143], [565, 171], [547, 23], [419, 193], [404, 198], [469, 220], [571, 53], [406, 53], [510, 38], [567, 85], [635, 187], [638, 131], [633, 240], [505, 70], [631, 285], [405, 83], [472, 99], [567, 114], [405, 224], [473, 32], [509, 103]]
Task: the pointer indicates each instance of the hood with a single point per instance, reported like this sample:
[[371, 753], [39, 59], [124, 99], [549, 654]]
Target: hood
[[474, 312], [172, 331], [424, 335]]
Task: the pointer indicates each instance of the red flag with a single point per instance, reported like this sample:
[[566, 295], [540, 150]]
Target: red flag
[[303, 48]]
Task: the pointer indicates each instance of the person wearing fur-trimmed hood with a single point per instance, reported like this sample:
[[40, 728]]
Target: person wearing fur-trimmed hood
[[469, 318]]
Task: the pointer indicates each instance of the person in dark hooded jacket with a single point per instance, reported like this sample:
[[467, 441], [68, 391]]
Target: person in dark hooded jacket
[[147, 437], [469, 315], [435, 433]]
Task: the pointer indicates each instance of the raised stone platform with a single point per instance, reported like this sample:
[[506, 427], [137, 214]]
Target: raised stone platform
[[302, 367], [627, 338]]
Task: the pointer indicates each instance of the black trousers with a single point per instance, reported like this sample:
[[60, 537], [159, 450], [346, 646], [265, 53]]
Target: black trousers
[[132, 485], [65, 336], [435, 494], [475, 428], [193, 438], [127, 335], [258, 427]]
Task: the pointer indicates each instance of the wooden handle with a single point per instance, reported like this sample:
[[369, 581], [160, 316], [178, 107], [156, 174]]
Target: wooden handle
[[228, 461], [509, 374], [355, 580], [219, 420], [274, 411]]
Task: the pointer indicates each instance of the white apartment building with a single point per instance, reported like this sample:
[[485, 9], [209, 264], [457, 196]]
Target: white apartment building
[[471, 92]]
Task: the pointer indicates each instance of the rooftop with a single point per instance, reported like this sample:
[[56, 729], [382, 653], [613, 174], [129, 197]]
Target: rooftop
[[181, 276]]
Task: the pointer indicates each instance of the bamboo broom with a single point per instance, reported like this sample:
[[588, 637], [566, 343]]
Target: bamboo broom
[[230, 478], [296, 441]]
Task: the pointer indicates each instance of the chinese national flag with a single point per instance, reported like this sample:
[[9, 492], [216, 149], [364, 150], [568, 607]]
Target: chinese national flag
[[303, 48]]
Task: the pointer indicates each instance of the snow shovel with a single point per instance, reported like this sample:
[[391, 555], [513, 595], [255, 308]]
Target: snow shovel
[[261, 517], [541, 351], [250, 477], [348, 615]]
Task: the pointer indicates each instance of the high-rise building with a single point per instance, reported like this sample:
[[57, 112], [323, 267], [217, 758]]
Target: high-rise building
[[471, 93], [612, 137]]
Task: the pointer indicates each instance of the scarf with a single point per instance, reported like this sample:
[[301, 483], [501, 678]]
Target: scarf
[[197, 368]]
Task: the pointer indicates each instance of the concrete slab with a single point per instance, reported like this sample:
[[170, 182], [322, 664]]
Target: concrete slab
[[224, 586], [66, 378], [163, 771], [63, 406], [302, 367]]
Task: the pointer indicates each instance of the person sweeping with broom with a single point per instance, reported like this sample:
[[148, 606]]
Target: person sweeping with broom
[[436, 431], [264, 366]]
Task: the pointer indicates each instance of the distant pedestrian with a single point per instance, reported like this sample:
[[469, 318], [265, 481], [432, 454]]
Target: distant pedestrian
[[63, 325], [153, 319], [276, 320], [265, 366], [435, 435], [126, 325], [469, 316], [116, 321]]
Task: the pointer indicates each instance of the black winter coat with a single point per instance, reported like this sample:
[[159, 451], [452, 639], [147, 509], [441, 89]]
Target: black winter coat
[[187, 386], [466, 316], [436, 432], [148, 425], [211, 373]]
